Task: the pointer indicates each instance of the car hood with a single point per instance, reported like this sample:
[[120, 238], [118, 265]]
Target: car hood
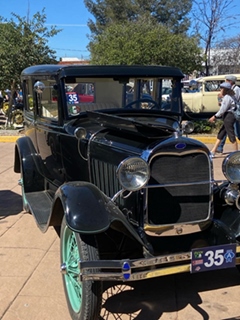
[[130, 124]]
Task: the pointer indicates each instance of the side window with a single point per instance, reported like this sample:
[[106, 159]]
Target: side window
[[47, 103], [28, 96], [213, 85]]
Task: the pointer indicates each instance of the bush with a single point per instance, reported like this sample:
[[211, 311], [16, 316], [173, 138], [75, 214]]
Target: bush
[[203, 126]]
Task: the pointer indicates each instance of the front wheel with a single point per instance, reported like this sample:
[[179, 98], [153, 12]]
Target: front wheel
[[83, 297]]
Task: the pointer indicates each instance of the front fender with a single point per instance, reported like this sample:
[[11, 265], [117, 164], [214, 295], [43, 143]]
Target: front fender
[[27, 163], [84, 207], [88, 210]]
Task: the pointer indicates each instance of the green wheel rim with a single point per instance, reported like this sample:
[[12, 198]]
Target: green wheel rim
[[70, 255]]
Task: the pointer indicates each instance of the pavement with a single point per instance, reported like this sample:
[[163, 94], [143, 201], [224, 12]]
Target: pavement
[[31, 285]]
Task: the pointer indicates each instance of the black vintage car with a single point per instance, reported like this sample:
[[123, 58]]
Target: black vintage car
[[130, 195]]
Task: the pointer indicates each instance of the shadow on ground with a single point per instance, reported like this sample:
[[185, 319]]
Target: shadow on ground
[[10, 202], [149, 299]]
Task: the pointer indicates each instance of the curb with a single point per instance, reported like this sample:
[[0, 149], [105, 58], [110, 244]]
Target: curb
[[9, 138], [206, 140]]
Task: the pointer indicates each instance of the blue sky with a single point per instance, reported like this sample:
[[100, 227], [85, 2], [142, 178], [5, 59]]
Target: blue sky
[[71, 17]]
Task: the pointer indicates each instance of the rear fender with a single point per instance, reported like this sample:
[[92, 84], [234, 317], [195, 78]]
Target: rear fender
[[89, 211], [28, 163]]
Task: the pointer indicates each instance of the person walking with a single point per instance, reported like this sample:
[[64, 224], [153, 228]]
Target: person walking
[[225, 112], [232, 80]]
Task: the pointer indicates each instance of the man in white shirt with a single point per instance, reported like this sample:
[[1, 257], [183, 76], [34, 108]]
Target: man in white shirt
[[232, 80]]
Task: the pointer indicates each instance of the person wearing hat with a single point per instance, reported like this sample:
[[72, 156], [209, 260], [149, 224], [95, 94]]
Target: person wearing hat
[[228, 103], [232, 80]]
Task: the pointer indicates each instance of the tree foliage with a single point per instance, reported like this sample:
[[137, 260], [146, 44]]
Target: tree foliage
[[170, 13], [23, 42], [146, 43], [211, 18]]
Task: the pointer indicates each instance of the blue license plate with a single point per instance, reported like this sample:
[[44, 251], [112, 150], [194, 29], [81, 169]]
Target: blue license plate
[[212, 258]]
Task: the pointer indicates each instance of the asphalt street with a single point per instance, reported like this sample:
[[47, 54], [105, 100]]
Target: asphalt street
[[31, 285]]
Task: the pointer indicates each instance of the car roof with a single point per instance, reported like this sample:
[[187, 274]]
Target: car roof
[[218, 77], [102, 71]]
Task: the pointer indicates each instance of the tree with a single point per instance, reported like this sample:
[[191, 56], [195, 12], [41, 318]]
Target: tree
[[22, 44], [211, 17], [170, 13], [146, 43]]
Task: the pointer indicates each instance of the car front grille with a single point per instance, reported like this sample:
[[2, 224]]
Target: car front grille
[[103, 175], [190, 199]]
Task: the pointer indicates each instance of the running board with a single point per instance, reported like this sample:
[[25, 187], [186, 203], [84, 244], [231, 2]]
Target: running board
[[40, 205]]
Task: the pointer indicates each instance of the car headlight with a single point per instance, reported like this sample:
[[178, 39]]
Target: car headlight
[[188, 127], [133, 173], [231, 167]]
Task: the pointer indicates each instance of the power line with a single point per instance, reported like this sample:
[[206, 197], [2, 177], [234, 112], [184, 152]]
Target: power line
[[65, 25], [69, 49]]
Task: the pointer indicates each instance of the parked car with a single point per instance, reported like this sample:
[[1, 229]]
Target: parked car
[[130, 195], [204, 100]]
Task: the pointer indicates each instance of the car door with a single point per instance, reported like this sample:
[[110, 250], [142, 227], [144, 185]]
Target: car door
[[48, 131], [210, 96], [29, 110], [192, 101]]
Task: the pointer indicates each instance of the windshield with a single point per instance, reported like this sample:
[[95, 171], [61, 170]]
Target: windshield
[[91, 94]]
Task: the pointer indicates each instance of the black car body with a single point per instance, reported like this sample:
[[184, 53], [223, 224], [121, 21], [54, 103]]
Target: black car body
[[132, 197]]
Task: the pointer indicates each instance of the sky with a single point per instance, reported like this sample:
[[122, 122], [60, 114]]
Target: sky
[[71, 17]]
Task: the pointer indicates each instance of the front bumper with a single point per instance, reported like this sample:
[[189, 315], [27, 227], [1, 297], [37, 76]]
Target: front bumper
[[139, 269]]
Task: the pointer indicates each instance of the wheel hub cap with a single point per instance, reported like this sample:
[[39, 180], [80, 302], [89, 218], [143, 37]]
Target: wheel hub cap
[[63, 268]]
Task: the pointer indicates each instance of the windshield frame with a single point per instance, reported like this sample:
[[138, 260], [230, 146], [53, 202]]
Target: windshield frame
[[109, 94]]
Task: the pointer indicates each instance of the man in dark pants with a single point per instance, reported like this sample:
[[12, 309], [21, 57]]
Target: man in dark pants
[[232, 80]]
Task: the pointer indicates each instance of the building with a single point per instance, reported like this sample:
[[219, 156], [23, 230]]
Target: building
[[73, 61]]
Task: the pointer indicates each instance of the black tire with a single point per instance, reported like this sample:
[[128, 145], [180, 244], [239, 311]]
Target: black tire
[[83, 298]]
